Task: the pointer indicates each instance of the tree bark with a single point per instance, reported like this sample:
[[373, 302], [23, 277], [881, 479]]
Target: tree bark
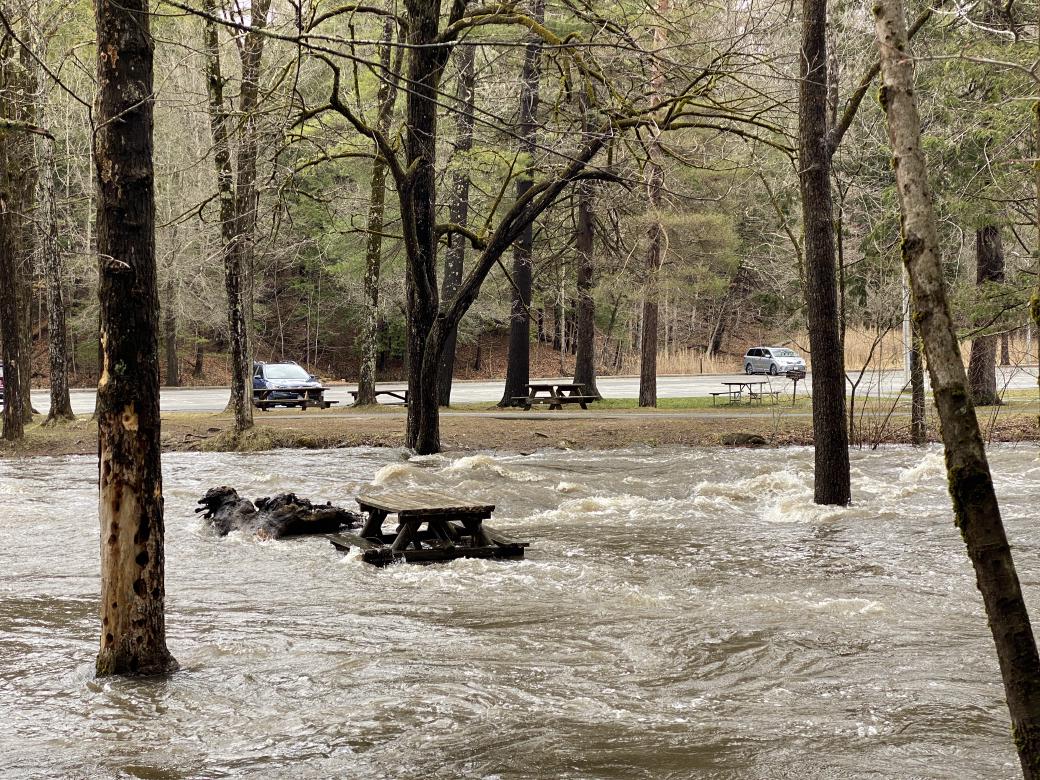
[[918, 424], [173, 378], [518, 360], [386, 97], [982, 364], [9, 310], [458, 211], [655, 234], [240, 402], [133, 624], [57, 334], [975, 508], [585, 333], [830, 434]]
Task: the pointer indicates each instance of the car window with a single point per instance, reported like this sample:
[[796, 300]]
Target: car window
[[785, 353], [753, 352], [285, 371], [765, 353]]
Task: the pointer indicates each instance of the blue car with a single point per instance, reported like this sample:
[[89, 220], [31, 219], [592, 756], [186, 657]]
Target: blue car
[[286, 384]]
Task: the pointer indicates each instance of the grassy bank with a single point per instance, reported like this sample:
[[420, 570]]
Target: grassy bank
[[469, 427]]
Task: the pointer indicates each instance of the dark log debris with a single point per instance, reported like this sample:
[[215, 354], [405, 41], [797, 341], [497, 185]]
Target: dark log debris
[[272, 518]]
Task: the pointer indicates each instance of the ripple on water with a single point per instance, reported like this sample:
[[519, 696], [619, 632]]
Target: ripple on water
[[681, 613]]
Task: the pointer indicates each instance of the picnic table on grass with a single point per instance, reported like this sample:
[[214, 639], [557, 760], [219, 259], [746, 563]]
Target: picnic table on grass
[[397, 395], [735, 392], [555, 395], [454, 529]]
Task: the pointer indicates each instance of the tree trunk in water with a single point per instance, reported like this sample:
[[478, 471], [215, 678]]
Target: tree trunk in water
[[982, 365], [830, 434], [57, 335], [241, 400], [518, 361], [458, 211], [918, 426], [173, 378], [386, 96], [133, 624], [419, 222], [975, 508]]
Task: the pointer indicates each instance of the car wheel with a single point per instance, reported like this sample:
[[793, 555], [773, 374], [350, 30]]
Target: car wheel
[[772, 369], [748, 369]]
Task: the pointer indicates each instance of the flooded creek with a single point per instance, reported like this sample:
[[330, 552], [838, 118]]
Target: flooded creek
[[680, 614]]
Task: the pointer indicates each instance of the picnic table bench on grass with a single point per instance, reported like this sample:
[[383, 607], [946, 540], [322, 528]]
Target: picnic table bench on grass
[[454, 529], [398, 395], [555, 394]]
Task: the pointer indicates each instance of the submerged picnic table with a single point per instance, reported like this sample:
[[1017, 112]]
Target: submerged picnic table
[[555, 394], [454, 529]]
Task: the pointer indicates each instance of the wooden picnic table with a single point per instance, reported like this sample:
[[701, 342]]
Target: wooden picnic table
[[735, 391], [454, 529], [400, 395], [555, 394]]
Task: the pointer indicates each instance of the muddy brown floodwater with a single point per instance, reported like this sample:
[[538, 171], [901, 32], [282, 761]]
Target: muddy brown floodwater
[[681, 614]]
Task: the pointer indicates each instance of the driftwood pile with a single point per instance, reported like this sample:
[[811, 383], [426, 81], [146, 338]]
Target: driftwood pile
[[272, 518]]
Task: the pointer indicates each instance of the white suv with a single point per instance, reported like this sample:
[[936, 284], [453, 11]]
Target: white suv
[[772, 360]]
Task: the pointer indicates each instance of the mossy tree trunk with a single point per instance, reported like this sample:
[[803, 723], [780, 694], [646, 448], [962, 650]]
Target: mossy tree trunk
[[133, 622], [975, 507]]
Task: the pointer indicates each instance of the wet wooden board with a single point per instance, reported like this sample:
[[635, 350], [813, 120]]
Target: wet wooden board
[[437, 549], [414, 503]]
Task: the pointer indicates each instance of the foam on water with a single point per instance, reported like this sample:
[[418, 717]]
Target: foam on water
[[680, 613]]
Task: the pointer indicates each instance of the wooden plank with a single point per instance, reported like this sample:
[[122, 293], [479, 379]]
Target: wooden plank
[[498, 538], [412, 501]]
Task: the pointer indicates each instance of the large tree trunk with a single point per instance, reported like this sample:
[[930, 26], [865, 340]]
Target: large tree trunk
[[975, 508], [982, 365], [386, 97], [655, 234], [518, 361], [57, 339], [458, 211], [133, 625], [585, 333], [830, 435], [9, 310]]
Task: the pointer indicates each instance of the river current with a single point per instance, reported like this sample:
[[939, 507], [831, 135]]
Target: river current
[[680, 614]]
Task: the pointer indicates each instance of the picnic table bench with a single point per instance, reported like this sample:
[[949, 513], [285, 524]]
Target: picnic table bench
[[399, 395], [454, 529], [734, 392], [555, 394], [264, 399]]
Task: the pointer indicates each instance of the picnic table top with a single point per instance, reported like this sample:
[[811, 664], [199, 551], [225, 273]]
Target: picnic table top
[[556, 385], [422, 501], [748, 382]]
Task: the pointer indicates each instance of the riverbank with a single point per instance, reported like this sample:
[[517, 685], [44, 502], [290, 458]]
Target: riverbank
[[481, 427]]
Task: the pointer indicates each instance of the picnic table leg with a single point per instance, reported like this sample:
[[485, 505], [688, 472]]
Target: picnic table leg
[[374, 525], [405, 533]]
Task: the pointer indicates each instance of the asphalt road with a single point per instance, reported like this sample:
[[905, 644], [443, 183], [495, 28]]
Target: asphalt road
[[214, 399]]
